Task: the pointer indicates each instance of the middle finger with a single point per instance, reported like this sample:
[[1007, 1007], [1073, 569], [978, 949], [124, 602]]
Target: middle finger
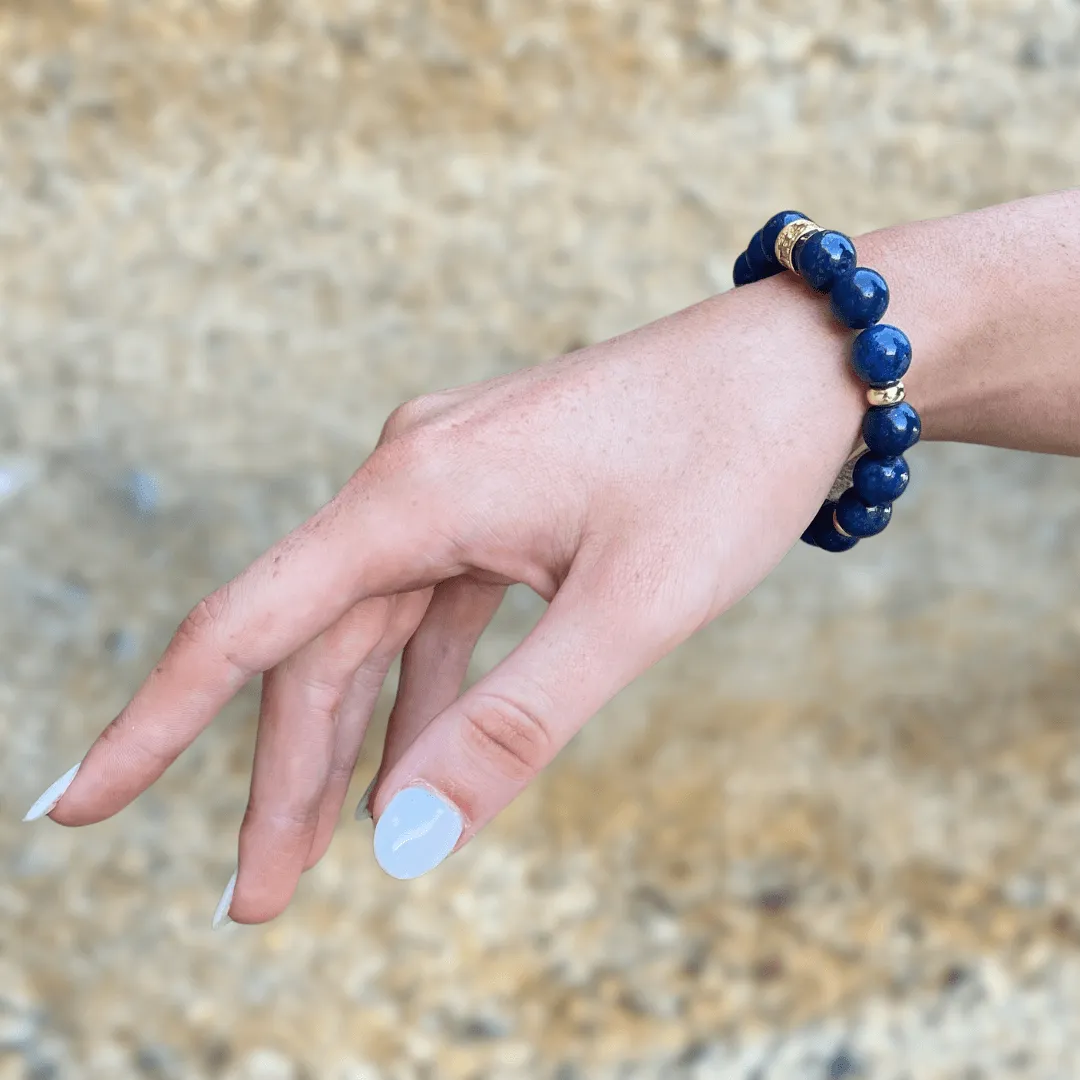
[[294, 755]]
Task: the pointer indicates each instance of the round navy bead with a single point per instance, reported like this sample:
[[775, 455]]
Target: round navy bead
[[823, 258], [860, 298], [773, 226], [824, 532], [760, 265], [742, 274], [858, 519], [889, 430], [765, 253], [881, 354], [878, 480]]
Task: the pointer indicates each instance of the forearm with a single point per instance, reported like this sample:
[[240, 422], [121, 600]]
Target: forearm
[[991, 302]]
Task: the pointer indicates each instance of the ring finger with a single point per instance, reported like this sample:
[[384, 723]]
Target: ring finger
[[354, 714], [435, 663]]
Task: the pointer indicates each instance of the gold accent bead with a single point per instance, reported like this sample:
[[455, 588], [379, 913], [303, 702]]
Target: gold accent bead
[[888, 395], [836, 526], [789, 236]]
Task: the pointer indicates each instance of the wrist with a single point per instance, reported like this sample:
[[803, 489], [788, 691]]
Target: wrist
[[987, 300], [981, 299], [784, 327], [932, 301], [860, 500]]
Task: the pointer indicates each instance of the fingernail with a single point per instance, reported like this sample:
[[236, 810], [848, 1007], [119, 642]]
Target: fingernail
[[221, 916], [363, 811], [415, 832], [52, 795]]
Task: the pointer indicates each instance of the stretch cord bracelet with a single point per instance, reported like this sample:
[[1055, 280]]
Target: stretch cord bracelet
[[876, 474]]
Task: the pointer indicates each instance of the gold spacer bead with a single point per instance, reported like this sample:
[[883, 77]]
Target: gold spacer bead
[[889, 395], [836, 526], [789, 236]]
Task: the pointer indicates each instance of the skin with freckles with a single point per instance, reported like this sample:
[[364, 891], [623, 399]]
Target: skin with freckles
[[641, 486]]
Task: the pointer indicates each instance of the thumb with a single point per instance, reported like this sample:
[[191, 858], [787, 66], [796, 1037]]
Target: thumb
[[598, 634]]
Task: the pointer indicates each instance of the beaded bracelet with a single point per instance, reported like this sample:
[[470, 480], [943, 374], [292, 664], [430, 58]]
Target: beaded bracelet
[[876, 474]]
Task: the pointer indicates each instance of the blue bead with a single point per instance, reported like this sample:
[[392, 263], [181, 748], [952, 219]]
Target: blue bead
[[773, 226], [760, 266], [824, 532], [741, 274], [889, 430], [858, 519], [879, 480], [860, 298], [881, 354], [766, 255], [823, 258]]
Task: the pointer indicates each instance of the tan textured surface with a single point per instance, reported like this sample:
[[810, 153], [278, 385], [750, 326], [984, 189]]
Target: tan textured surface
[[232, 237]]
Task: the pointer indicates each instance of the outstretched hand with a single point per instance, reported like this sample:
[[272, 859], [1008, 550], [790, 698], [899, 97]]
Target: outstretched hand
[[640, 486]]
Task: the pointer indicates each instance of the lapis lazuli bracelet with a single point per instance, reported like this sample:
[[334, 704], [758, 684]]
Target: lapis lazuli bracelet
[[876, 475]]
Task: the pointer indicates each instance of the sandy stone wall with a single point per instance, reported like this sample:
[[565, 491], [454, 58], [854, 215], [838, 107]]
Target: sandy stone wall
[[833, 836]]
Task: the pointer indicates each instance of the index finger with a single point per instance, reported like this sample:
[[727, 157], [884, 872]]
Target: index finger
[[376, 537]]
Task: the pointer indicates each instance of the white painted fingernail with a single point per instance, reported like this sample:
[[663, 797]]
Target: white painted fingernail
[[363, 810], [221, 916], [53, 794], [417, 830]]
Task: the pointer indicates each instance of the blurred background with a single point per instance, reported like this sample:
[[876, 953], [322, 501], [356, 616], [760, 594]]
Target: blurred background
[[833, 836]]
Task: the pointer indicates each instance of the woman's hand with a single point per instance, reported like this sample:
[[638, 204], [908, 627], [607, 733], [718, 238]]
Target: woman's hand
[[641, 486]]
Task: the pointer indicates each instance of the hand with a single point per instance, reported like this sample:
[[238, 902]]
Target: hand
[[641, 486]]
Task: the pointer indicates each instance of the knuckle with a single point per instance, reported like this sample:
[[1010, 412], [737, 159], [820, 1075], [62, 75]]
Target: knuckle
[[401, 624], [422, 462], [411, 454], [341, 772], [509, 736], [201, 623], [291, 818], [135, 749], [295, 820], [203, 629], [369, 677], [407, 416], [322, 697], [355, 634]]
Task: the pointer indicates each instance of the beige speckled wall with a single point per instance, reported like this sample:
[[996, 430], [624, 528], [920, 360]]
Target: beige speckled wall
[[833, 836]]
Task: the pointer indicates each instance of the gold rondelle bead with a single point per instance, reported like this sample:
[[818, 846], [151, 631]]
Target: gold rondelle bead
[[789, 236], [836, 526], [889, 395]]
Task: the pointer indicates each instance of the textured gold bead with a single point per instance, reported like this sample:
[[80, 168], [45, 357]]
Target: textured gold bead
[[789, 236], [836, 526], [889, 395]]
